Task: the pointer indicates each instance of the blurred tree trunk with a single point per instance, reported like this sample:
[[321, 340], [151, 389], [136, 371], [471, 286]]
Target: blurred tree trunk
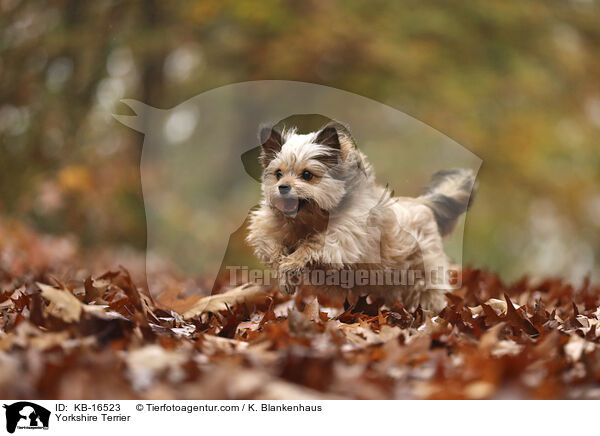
[[152, 77]]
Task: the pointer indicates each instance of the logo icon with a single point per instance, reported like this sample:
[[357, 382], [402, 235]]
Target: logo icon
[[197, 156], [26, 415]]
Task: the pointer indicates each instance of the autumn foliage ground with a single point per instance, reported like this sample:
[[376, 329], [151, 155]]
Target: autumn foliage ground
[[75, 326]]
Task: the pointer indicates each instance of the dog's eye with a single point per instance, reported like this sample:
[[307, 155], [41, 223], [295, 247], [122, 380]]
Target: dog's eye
[[278, 174], [307, 175]]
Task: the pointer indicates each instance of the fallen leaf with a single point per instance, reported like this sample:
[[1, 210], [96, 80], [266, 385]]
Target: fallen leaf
[[578, 346], [63, 304], [248, 293], [145, 364]]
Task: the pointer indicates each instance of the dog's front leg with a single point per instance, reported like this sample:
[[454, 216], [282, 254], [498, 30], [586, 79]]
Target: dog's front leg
[[293, 265]]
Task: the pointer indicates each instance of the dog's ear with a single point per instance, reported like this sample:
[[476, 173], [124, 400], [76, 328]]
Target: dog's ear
[[250, 160], [271, 142], [329, 136]]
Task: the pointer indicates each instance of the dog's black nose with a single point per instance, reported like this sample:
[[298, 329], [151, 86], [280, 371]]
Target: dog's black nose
[[285, 188]]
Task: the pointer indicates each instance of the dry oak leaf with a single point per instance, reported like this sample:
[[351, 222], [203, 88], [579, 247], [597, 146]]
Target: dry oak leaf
[[67, 307], [216, 343], [229, 381], [499, 307], [362, 335], [247, 293], [576, 347], [507, 347], [28, 335], [479, 390], [145, 364], [63, 304]]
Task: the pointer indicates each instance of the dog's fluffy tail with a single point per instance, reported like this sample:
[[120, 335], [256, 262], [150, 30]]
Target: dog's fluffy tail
[[449, 195]]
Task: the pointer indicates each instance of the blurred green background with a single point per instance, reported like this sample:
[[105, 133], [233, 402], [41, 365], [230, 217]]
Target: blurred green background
[[515, 82]]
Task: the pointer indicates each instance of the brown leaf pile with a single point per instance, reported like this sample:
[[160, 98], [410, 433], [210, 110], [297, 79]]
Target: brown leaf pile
[[103, 337]]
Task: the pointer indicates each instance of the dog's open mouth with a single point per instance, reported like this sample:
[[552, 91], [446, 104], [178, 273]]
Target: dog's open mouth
[[291, 206]]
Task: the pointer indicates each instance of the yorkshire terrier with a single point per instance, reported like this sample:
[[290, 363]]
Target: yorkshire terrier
[[322, 210]]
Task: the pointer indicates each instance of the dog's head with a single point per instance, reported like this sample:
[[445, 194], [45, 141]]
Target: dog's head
[[304, 173]]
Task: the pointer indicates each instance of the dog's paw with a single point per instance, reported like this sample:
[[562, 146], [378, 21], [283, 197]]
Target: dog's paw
[[433, 300], [289, 280], [291, 269], [291, 263], [287, 288]]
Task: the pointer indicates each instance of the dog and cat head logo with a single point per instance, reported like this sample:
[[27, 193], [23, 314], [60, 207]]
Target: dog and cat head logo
[[26, 415], [200, 161]]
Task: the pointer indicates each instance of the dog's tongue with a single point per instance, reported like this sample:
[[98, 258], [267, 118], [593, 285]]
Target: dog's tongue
[[290, 205]]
